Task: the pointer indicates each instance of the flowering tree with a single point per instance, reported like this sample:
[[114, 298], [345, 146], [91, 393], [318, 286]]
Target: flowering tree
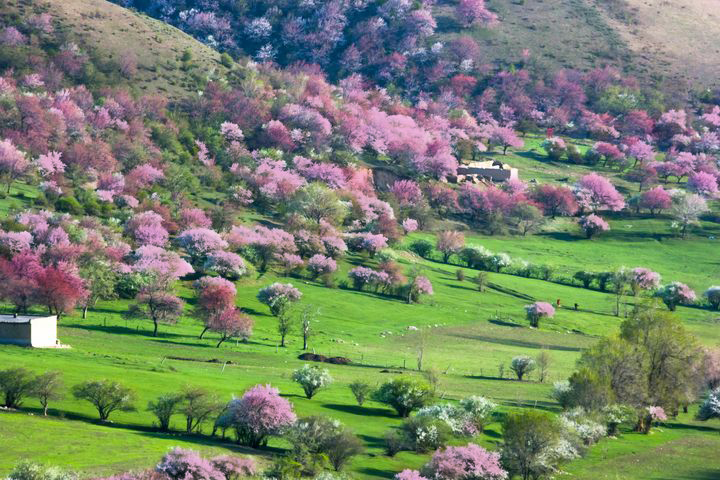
[[226, 264], [165, 265], [555, 200], [13, 163], [231, 323], [146, 228], [214, 297], [199, 242], [406, 192], [539, 310], [555, 147], [262, 243], [593, 224], [686, 211], [408, 474], [674, 294], [181, 464], [449, 242], [369, 242], [643, 279], [278, 297], [311, 378], [157, 305], [59, 289], [321, 265], [194, 218], [505, 137], [420, 285], [655, 200], [594, 192], [259, 413], [409, 225], [470, 462], [522, 365], [704, 184], [235, 467]]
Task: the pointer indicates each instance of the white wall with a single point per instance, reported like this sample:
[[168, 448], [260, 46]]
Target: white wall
[[44, 331]]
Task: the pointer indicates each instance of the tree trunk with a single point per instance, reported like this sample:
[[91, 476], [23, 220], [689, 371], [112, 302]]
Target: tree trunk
[[220, 342], [45, 409], [203, 332], [282, 340], [155, 328], [305, 342], [85, 309]]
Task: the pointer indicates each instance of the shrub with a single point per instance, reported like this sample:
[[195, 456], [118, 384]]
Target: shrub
[[106, 396], [710, 407], [311, 378], [404, 395], [234, 467], [69, 205], [615, 415], [15, 384], [522, 365], [164, 407], [423, 433], [314, 437], [460, 275], [181, 464], [562, 393], [361, 390], [422, 248], [27, 470], [469, 417]]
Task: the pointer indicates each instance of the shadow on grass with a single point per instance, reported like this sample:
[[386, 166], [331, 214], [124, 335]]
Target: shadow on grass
[[373, 442], [120, 329], [186, 344], [510, 291], [376, 472], [503, 323], [358, 410], [518, 343]]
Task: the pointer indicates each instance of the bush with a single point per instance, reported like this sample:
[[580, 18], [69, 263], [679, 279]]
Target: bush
[[464, 463], [404, 395], [422, 248], [360, 390], [69, 205], [106, 396], [562, 393], [460, 275], [27, 470], [15, 384], [423, 433], [522, 365], [316, 437], [312, 378], [130, 284], [394, 443]]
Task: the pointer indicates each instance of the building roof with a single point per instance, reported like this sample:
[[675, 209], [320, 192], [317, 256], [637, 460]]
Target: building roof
[[21, 318]]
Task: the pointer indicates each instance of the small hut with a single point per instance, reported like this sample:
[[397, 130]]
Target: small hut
[[29, 330]]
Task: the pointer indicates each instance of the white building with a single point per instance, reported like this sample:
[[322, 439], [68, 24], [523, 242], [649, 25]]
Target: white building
[[28, 330]]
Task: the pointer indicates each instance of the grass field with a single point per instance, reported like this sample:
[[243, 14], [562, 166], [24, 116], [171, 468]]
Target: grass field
[[471, 334]]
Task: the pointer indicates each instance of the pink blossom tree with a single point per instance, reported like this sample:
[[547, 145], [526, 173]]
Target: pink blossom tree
[[449, 243], [406, 192], [674, 294], [475, 12], [261, 243], [539, 310], [279, 296], [59, 288], [258, 414], [655, 200], [146, 228], [194, 218], [595, 192], [470, 462], [181, 464], [214, 297], [555, 200], [505, 137], [231, 323], [13, 163], [226, 264], [593, 224], [50, 164], [200, 242], [704, 184], [158, 305], [643, 279], [321, 265], [164, 265], [419, 286], [409, 225]]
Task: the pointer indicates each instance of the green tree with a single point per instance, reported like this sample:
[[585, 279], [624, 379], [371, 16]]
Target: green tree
[[100, 281], [404, 395], [528, 441], [106, 396], [46, 387]]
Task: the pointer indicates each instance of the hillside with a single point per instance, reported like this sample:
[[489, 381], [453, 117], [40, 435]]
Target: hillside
[[114, 33], [281, 264]]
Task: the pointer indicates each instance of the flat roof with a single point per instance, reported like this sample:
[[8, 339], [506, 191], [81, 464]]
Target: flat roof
[[21, 318]]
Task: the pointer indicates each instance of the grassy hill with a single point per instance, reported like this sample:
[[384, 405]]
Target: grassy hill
[[111, 32], [646, 38]]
